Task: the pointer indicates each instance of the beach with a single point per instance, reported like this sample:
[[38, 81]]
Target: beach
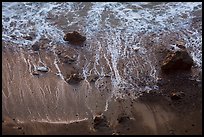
[[102, 69]]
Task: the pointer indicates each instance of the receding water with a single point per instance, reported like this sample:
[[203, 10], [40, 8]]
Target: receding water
[[114, 30]]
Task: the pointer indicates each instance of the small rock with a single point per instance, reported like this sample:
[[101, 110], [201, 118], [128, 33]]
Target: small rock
[[171, 132], [180, 44], [93, 78], [179, 60], [58, 52], [19, 127], [36, 47], [107, 75], [115, 133], [68, 59], [100, 121], [28, 38], [42, 69], [123, 119], [177, 95], [35, 73], [74, 79], [161, 82], [135, 47], [74, 38]]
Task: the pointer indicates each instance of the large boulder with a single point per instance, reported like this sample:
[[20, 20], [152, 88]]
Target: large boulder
[[177, 60], [74, 38]]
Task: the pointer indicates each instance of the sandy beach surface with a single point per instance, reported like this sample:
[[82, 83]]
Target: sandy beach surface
[[81, 68], [38, 107]]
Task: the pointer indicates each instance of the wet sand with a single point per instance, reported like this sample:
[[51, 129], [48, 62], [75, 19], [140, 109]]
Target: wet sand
[[46, 104]]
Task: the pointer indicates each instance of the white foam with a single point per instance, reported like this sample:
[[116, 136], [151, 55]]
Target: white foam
[[117, 24]]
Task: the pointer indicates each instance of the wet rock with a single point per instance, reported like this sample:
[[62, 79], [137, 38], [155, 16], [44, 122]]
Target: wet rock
[[135, 47], [68, 59], [74, 38], [93, 78], [100, 121], [58, 52], [178, 60], [28, 38], [123, 119], [115, 133], [19, 128], [180, 44], [35, 73], [74, 78], [107, 75], [42, 69], [36, 47], [161, 82], [177, 95]]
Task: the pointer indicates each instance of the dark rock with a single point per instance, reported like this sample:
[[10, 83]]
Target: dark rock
[[177, 95], [19, 127], [36, 47], [58, 52], [180, 44], [100, 121], [93, 78], [74, 79], [68, 59], [28, 38], [179, 60], [115, 133], [35, 73], [161, 82], [74, 38], [123, 119]]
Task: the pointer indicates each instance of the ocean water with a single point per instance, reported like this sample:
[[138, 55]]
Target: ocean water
[[114, 31]]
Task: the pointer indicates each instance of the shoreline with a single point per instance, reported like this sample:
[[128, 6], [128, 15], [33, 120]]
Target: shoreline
[[153, 113]]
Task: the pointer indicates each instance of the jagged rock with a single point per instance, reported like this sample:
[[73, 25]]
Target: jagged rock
[[178, 60], [177, 95], [42, 69], [100, 121], [74, 79], [74, 38]]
